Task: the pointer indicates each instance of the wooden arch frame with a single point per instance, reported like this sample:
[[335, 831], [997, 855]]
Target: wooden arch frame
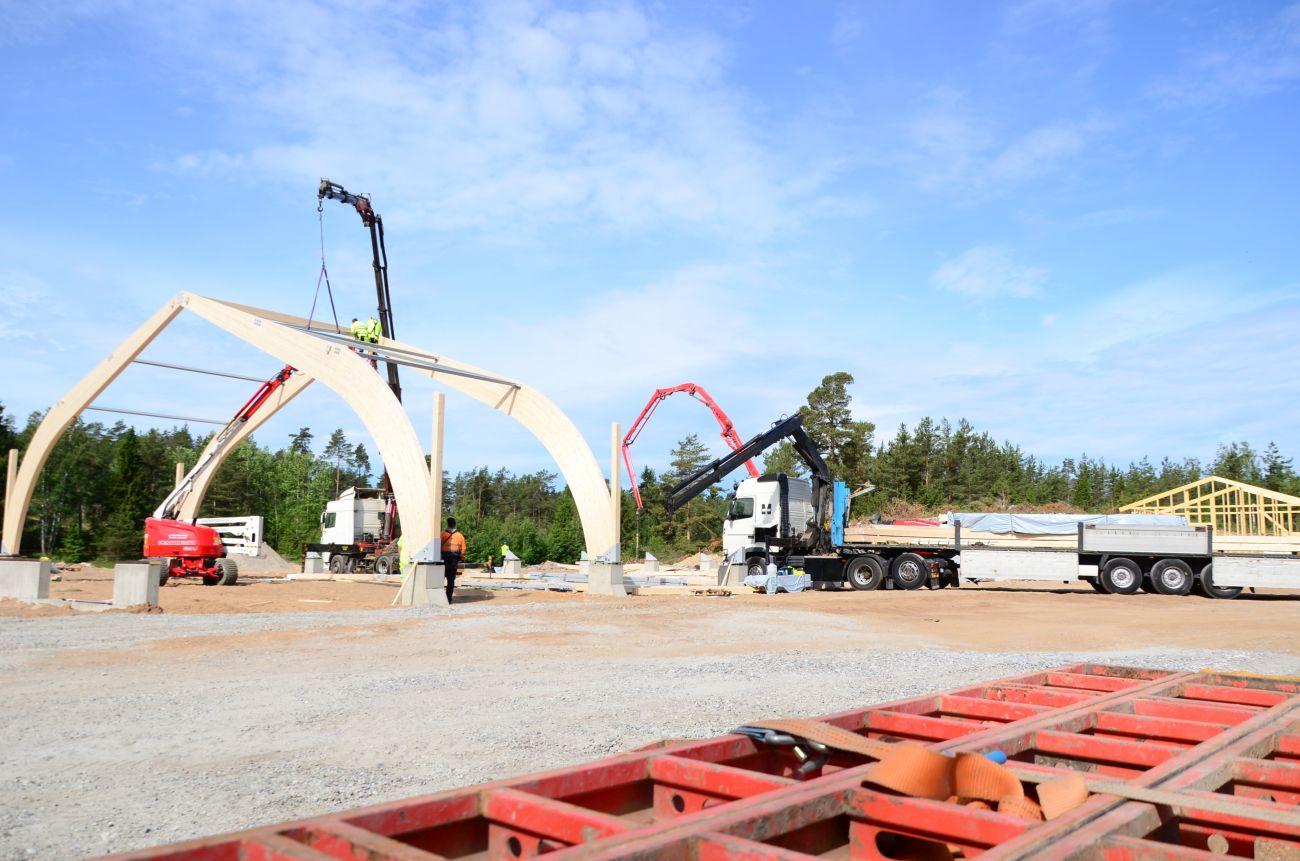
[[351, 377]]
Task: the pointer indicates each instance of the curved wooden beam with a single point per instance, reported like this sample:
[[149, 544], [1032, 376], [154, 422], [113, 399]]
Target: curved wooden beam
[[536, 412], [63, 413], [351, 378], [291, 388]]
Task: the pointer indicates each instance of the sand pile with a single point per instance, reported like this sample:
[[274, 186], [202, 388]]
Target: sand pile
[[267, 561]]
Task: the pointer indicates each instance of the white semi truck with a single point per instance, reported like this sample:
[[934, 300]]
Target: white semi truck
[[805, 523], [356, 532]]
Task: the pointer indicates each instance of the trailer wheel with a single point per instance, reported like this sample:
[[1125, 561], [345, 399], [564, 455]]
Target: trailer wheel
[[338, 564], [1172, 577], [865, 573], [384, 566], [1121, 576], [1206, 586], [909, 571]]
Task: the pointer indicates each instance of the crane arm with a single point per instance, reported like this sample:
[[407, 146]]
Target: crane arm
[[170, 506], [711, 473], [660, 395]]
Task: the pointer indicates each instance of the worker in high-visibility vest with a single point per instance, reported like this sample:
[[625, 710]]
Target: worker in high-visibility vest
[[373, 331], [358, 329], [361, 332], [505, 553], [453, 551]]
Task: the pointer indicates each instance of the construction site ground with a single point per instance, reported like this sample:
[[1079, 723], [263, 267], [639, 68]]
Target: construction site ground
[[271, 700]]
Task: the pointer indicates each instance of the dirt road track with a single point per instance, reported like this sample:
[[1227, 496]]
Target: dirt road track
[[124, 731]]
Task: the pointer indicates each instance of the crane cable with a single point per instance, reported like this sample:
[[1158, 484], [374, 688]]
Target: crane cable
[[324, 275]]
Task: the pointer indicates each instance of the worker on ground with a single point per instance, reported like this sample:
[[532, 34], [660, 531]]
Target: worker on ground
[[453, 551], [505, 553]]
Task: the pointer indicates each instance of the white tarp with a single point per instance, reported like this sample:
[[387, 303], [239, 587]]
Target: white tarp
[[1055, 524]]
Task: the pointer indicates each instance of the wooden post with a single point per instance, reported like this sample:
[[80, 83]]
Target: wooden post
[[180, 474], [615, 493], [11, 480], [435, 472]]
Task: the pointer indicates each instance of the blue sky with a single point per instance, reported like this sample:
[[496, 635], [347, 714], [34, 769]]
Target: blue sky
[[1073, 222]]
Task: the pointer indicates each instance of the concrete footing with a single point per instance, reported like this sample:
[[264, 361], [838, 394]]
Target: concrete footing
[[24, 579], [734, 575], [651, 564], [428, 586], [136, 583], [512, 568], [313, 568], [584, 567], [605, 578], [706, 563]]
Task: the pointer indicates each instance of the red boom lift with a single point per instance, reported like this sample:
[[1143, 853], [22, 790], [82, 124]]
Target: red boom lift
[[728, 429], [191, 550]]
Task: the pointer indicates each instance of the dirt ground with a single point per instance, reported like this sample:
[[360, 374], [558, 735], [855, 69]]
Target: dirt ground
[[122, 731], [1030, 615]]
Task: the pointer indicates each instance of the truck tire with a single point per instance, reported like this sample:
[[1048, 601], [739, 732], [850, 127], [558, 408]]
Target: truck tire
[[1095, 583], [338, 564], [909, 571], [755, 566], [1121, 576], [1205, 585], [865, 573], [165, 573], [229, 572], [384, 566], [1172, 577]]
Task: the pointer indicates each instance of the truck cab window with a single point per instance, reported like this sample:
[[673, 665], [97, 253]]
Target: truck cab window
[[328, 520], [741, 508]]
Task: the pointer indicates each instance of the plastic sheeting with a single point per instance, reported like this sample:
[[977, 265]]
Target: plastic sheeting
[[773, 583], [1055, 524]]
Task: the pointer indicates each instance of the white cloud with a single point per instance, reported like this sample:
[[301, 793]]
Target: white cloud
[[987, 272], [949, 145], [24, 297], [847, 25], [494, 117], [1260, 57]]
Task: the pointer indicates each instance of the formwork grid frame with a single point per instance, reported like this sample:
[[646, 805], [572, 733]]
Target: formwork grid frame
[[733, 798]]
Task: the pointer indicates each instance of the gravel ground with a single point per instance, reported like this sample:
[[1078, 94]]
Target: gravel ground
[[122, 732]]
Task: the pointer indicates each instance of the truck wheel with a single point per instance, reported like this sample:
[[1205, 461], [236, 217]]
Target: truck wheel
[[755, 566], [1095, 583], [865, 573], [1172, 577], [1206, 585], [337, 564], [384, 566], [910, 571], [1121, 576]]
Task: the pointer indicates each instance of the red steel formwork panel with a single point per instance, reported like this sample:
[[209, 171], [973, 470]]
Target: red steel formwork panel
[[1233, 739]]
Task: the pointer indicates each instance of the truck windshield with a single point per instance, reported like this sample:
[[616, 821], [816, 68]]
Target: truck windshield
[[741, 508]]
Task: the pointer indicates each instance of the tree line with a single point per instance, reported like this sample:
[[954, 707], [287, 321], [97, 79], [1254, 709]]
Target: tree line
[[101, 481]]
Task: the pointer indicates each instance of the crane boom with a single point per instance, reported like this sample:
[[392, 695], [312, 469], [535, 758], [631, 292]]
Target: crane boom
[[660, 395], [361, 203], [170, 506], [711, 473]]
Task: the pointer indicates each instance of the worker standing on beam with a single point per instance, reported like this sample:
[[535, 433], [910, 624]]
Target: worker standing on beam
[[453, 551], [373, 330], [361, 332]]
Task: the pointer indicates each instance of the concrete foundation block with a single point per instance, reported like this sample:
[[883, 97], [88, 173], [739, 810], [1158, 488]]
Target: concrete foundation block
[[136, 583], [428, 586], [313, 568], [584, 567], [512, 568], [25, 579], [706, 563], [734, 575], [606, 578], [651, 564]]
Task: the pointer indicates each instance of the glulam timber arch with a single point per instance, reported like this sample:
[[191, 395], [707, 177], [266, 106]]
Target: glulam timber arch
[[327, 361]]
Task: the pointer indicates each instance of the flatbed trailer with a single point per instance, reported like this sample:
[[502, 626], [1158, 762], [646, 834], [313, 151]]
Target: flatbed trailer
[[1116, 559]]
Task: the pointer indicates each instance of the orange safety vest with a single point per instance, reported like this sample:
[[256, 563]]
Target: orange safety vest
[[453, 541]]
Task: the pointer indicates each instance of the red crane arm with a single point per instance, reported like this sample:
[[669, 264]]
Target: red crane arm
[[698, 393]]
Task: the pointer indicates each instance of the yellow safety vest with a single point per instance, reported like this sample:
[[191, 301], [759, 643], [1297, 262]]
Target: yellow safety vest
[[373, 330], [358, 330]]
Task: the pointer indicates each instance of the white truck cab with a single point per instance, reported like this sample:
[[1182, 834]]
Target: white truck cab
[[771, 510], [357, 515]]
